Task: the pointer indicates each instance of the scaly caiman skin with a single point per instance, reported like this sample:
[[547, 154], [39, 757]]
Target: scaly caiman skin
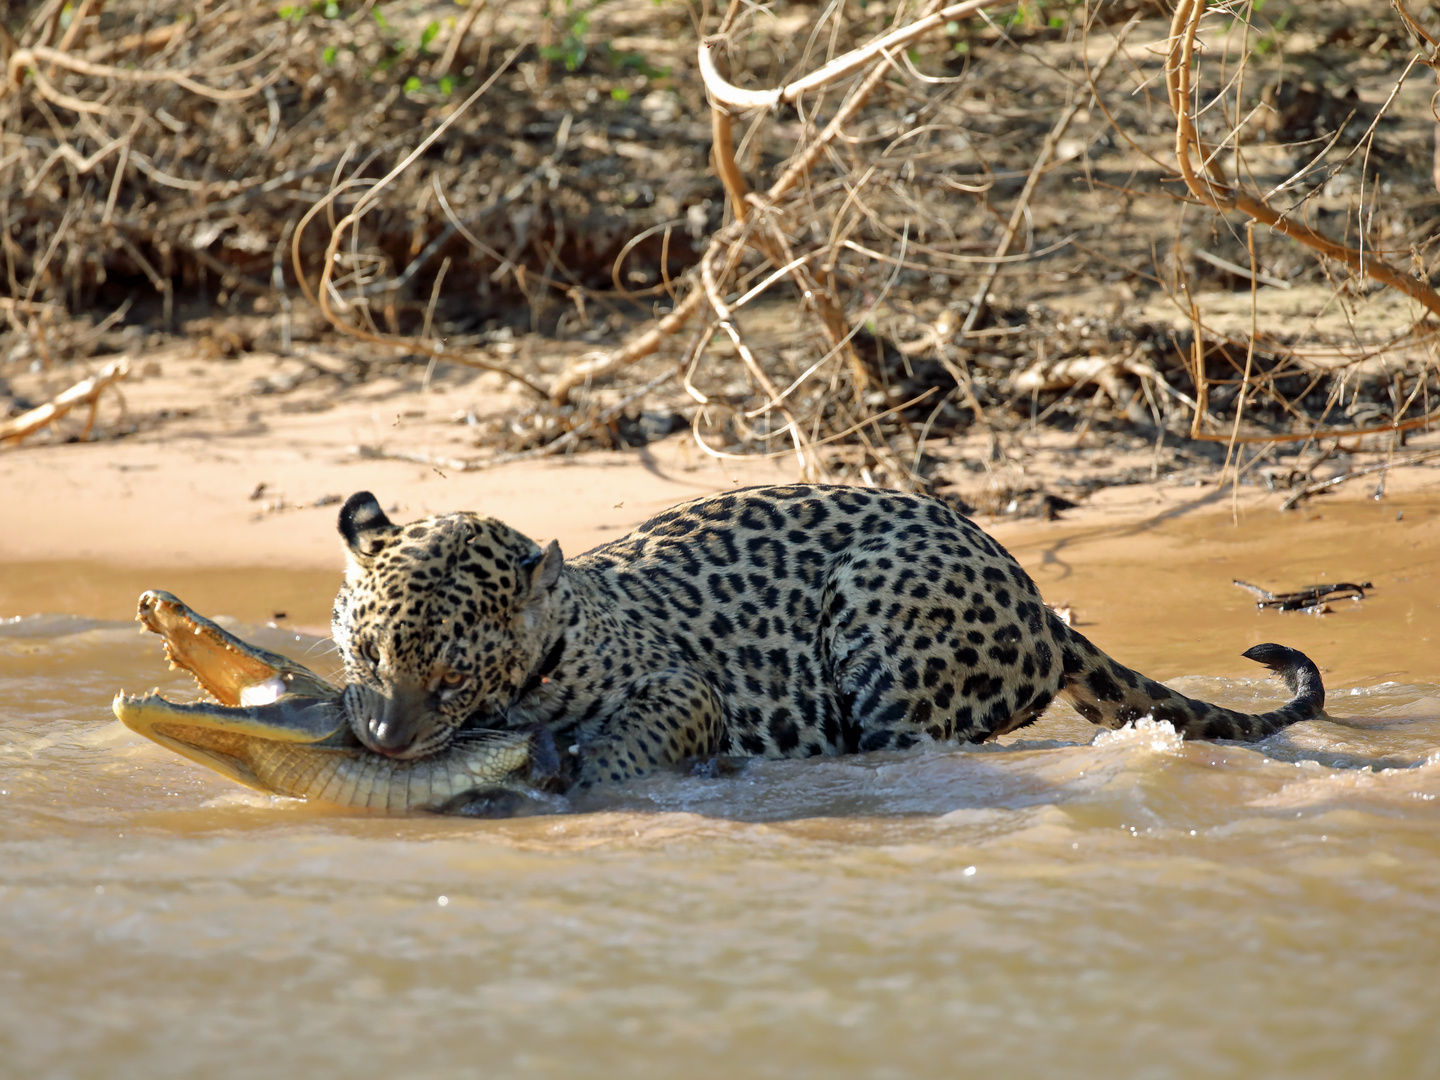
[[280, 728]]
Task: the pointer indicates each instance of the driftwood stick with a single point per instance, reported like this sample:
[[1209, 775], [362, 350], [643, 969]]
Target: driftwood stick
[[86, 391], [1335, 481]]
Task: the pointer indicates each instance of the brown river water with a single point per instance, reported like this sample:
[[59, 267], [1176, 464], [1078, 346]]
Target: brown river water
[[1065, 903]]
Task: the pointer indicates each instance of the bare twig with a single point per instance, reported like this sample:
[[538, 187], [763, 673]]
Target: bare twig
[[32, 57], [1218, 193], [1042, 161], [457, 36], [85, 392], [1335, 481], [326, 289], [564, 442], [742, 200]]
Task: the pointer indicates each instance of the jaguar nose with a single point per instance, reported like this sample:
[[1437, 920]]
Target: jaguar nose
[[389, 736], [395, 722]]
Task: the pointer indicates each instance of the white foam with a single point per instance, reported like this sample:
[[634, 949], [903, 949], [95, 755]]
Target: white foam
[[1146, 733]]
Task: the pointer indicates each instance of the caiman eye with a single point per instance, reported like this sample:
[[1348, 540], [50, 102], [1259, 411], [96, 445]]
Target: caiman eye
[[452, 679]]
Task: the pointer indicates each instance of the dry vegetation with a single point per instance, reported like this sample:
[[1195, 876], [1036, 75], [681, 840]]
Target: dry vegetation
[[1053, 229]]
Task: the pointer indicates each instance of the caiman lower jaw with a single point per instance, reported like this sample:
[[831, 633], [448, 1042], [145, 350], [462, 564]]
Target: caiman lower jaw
[[220, 737]]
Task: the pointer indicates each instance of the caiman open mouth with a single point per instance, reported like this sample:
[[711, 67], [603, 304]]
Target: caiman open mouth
[[260, 696], [278, 727]]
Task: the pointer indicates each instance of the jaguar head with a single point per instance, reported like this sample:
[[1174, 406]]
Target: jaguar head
[[447, 618]]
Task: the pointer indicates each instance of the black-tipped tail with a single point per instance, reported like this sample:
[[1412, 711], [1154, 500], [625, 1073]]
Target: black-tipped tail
[[1107, 693], [1301, 676]]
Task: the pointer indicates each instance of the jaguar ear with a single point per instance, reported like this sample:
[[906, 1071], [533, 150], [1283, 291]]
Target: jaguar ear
[[544, 567], [364, 526]]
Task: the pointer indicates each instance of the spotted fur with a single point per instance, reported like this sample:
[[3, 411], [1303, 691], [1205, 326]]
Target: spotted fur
[[775, 622]]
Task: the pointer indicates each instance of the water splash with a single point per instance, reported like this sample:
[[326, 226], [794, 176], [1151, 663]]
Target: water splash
[[1146, 733]]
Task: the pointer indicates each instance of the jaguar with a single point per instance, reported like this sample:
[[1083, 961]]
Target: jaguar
[[785, 622]]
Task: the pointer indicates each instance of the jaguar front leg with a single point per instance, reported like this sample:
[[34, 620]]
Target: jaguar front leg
[[669, 716]]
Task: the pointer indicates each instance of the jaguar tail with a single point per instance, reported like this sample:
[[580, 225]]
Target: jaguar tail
[[1109, 694]]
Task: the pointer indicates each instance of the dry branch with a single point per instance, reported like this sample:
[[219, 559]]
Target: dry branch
[[1217, 192], [1042, 161], [566, 442], [724, 96], [85, 392], [326, 293], [31, 58]]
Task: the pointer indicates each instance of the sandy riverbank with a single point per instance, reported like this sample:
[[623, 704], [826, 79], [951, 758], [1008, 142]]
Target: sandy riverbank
[[220, 477], [229, 499]]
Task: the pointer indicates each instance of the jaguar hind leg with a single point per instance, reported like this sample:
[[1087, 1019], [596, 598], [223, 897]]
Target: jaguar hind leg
[[942, 683], [670, 715]]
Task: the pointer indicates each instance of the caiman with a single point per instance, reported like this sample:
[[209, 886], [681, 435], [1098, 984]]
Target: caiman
[[276, 726]]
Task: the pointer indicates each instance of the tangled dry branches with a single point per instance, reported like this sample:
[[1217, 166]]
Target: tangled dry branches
[[883, 259]]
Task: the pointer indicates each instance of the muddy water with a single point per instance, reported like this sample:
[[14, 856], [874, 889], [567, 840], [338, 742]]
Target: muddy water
[[1060, 905]]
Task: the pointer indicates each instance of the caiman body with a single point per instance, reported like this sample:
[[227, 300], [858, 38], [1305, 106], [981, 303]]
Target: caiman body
[[278, 727]]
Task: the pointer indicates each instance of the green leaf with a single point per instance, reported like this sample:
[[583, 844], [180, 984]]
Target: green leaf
[[447, 85], [620, 94], [380, 20], [285, 12], [412, 85], [328, 54], [332, 10], [428, 34]]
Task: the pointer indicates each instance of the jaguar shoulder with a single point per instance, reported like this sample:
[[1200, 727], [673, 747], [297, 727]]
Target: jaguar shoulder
[[778, 622]]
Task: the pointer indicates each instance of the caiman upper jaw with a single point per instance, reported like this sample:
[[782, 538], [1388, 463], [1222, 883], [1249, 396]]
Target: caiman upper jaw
[[232, 671], [262, 695]]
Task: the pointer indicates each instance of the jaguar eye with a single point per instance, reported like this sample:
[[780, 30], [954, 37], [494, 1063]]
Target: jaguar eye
[[453, 679], [371, 652]]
